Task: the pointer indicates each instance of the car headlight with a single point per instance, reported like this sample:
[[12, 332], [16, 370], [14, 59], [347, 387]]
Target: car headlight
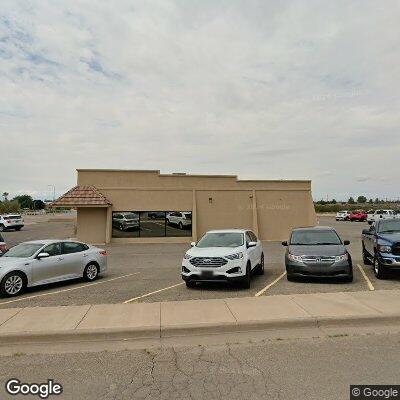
[[292, 257], [187, 256], [235, 256], [343, 257], [385, 249]]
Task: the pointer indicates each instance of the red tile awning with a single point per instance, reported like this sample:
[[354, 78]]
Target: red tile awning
[[82, 196]]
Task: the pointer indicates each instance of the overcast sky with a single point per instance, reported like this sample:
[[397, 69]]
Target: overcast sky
[[261, 89]]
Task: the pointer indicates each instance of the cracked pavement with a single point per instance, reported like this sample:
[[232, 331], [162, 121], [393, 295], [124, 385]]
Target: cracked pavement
[[274, 369]]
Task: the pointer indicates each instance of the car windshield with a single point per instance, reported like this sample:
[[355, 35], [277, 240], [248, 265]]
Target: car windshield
[[389, 226], [131, 216], [314, 237], [221, 239], [23, 250]]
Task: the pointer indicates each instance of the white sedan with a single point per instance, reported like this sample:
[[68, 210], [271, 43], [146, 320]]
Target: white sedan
[[229, 255], [47, 261]]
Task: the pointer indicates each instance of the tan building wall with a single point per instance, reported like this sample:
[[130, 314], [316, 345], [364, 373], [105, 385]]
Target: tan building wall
[[270, 208]]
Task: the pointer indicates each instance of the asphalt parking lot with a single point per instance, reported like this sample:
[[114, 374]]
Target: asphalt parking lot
[[151, 272]]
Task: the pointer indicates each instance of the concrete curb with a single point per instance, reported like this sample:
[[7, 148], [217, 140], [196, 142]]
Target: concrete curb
[[127, 334]]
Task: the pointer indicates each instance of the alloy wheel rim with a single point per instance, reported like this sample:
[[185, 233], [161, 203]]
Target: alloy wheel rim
[[91, 272], [13, 284]]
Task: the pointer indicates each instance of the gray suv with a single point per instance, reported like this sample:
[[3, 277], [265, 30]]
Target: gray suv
[[317, 252]]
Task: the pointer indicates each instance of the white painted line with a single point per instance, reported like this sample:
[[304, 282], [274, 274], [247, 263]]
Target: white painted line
[[369, 283], [271, 284], [151, 293], [68, 290]]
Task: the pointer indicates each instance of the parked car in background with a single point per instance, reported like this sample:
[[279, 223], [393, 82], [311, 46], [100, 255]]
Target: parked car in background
[[3, 246], [381, 246], [229, 255], [380, 214], [342, 216], [11, 221], [46, 261], [317, 252], [125, 221], [358, 215], [156, 214], [179, 219]]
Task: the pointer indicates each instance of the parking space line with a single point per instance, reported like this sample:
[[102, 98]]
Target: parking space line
[[270, 285], [369, 283], [68, 290], [151, 293]]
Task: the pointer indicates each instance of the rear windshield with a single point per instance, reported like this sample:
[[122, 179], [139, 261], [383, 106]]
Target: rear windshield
[[389, 226], [23, 250], [314, 237], [221, 239], [12, 217]]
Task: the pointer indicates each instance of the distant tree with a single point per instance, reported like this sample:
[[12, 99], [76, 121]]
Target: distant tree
[[38, 205], [5, 196], [333, 201], [370, 201], [9, 207], [376, 201], [24, 200], [351, 201], [361, 199]]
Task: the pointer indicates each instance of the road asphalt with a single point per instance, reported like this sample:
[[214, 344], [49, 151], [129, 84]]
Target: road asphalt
[[313, 369]]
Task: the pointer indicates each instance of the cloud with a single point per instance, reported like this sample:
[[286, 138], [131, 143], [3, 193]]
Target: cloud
[[261, 89]]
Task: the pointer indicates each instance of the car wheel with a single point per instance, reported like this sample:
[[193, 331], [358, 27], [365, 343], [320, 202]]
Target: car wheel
[[19, 228], [2, 229], [91, 272], [247, 277], [13, 284], [379, 270], [260, 268], [180, 226], [290, 277], [190, 284], [366, 259]]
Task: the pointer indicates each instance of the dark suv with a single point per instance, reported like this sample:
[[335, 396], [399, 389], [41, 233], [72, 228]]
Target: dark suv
[[317, 252]]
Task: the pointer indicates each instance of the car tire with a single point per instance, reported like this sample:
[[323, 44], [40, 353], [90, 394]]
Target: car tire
[[260, 267], [190, 284], [91, 272], [247, 278], [379, 270], [290, 277], [366, 259], [2, 228], [13, 284]]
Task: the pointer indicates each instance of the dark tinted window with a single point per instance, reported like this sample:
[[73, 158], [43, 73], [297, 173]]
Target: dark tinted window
[[315, 237], [253, 237], [53, 249], [72, 247]]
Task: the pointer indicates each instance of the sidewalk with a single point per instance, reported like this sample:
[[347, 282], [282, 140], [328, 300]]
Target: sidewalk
[[198, 317]]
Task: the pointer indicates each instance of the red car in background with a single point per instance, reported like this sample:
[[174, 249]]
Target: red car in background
[[358, 215]]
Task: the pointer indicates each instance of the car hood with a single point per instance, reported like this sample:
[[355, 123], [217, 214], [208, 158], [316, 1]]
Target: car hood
[[7, 261], [390, 237], [320, 250], [213, 251]]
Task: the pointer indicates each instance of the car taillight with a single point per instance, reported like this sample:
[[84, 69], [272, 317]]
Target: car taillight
[[103, 253]]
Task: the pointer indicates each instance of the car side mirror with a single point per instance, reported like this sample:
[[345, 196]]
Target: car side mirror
[[366, 232], [285, 243], [251, 244], [346, 242], [193, 244], [42, 255]]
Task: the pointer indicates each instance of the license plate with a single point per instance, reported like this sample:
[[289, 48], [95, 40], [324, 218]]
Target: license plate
[[207, 274]]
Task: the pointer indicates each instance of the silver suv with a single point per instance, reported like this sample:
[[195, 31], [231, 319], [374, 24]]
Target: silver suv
[[11, 221]]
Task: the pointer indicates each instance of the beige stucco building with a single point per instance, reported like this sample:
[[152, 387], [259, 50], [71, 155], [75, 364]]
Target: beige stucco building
[[147, 206]]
